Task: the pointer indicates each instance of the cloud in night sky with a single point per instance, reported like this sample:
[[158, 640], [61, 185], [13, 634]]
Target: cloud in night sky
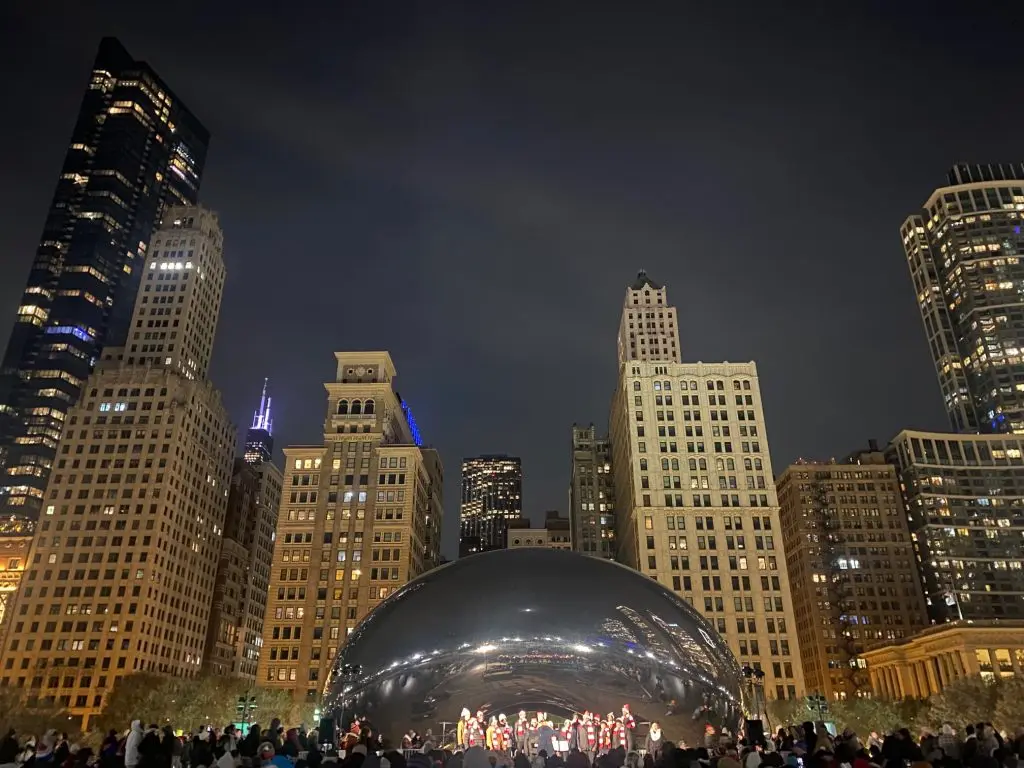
[[472, 185]]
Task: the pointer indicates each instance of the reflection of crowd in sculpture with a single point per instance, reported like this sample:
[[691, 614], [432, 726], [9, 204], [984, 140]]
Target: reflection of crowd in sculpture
[[587, 732]]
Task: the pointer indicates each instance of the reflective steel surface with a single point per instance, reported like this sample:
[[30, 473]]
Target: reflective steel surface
[[536, 629]]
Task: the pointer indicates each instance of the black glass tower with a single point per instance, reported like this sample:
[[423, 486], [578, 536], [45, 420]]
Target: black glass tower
[[259, 440], [492, 492], [135, 149]]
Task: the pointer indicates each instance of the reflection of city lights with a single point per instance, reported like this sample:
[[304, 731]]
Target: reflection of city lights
[[582, 648], [486, 648]]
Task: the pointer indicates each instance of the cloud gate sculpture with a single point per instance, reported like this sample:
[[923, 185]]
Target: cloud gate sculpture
[[535, 629]]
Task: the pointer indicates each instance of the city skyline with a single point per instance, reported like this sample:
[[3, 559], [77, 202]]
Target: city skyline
[[785, 290]]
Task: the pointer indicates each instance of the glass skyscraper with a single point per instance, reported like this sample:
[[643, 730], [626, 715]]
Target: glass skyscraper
[[964, 252], [492, 493], [135, 149]]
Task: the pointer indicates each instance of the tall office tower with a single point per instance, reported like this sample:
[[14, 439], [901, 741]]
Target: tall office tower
[[696, 507], [492, 494], [235, 633], [964, 250], [648, 330], [360, 516], [135, 149], [259, 440], [851, 564], [122, 569], [962, 495], [592, 494]]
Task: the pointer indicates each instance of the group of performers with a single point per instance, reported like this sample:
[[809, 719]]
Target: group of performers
[[586, 731]]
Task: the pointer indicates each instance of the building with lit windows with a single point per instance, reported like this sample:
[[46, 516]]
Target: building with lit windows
[[964, 252], [122, 570], [135, 149], [963, 496], [851, 563], [923, 665], [592, 494], [556, 533], [13, 557], [648, 329], [492, 493], [235, 633], [695, 502], [360, 516]]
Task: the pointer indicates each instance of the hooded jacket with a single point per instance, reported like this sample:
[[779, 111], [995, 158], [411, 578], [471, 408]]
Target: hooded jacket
[[131, 744]]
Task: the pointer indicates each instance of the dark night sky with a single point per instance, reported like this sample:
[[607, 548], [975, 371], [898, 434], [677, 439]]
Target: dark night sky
[[472, 185]]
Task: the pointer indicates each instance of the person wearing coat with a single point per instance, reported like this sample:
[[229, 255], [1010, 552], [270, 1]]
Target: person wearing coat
[[655, 742], [131, 745]]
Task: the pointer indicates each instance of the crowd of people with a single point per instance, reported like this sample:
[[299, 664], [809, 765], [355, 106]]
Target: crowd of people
[[161, 747], [805, 746], [538, 744]]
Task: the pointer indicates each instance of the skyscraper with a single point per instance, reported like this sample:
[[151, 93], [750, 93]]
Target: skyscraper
[[492, 494], [259, 440], [851, 564], [963, 494], [135, 149], [360, 516], [694, 498], [123, 565], [648, 329], [235, 633], [964, 252], [592, 494]]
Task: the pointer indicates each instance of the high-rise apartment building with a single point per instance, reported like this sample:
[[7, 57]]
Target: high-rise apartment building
[[963, 496], [492, 494], [648, 330], [592, 494], [122, 568], [851, 565], [964, 251], [695, 501], [259, 440], [360, 516], [135, 149]]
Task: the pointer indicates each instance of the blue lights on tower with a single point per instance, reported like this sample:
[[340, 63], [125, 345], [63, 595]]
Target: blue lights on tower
[[416, 438]]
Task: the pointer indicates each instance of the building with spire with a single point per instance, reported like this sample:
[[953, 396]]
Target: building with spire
[[695, 504], [259, 440], [235, 635], [122, 569], [135, 150]]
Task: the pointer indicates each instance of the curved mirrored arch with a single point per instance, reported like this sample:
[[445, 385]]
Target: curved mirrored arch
[[536, 629]]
